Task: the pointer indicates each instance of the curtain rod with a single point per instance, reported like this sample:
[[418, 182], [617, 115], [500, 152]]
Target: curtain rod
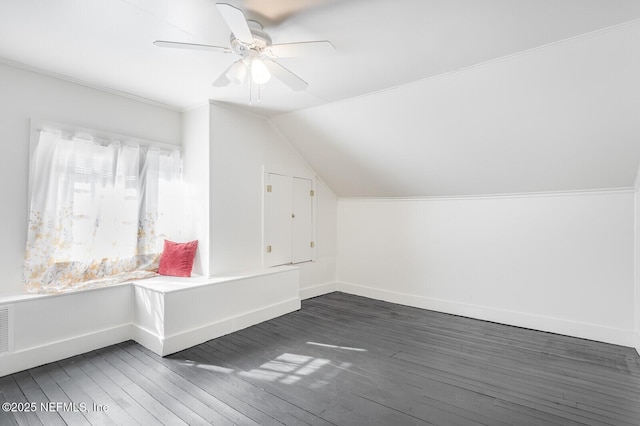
[[77, 131]]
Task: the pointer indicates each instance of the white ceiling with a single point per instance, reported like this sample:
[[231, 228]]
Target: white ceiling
[[422, 97], [380, 43]]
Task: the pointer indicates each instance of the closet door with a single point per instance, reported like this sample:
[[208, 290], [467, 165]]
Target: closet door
[[302, 200], [288, 220], [278, 228]]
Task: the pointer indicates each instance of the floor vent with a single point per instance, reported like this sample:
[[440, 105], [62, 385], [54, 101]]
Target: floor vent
[[5, 330]]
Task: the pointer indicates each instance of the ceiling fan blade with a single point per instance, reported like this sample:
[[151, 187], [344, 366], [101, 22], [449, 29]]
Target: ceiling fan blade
[[236, 21], [191, 46], [223, 80], [301, 49], [284, 75]]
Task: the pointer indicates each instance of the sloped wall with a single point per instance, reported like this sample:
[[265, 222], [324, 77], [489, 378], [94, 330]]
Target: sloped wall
[[562, 117]]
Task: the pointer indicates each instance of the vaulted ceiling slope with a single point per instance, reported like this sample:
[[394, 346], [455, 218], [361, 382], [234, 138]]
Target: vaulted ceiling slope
[[562, 117], [421, 98], [380, 43]]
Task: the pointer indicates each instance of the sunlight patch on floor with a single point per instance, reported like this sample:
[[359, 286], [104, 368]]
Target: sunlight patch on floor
[[287, 368], [208, 367], [215, 368], [347, 348]]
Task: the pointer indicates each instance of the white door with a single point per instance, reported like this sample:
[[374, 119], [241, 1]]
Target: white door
[[288, 222], [278, 229], [302, 220]]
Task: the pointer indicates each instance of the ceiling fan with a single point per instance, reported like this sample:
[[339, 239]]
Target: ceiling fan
[[257, 53]]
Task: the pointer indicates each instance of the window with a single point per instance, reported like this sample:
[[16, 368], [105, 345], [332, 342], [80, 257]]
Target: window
[[95, 215]]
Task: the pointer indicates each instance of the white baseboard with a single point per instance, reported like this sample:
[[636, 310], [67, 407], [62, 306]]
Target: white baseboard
[[638, 342], [170, 344], [32, 357], [519, 319], [317, 290], [147, 338]]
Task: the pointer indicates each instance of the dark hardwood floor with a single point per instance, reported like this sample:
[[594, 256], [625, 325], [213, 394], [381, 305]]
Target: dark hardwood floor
[[343, 360]]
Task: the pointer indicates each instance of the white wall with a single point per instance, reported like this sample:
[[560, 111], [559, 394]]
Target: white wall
[[26, 95], [559, 263], [233, 144], [195, 174], [243, 146], [637, 263], [238, 146]]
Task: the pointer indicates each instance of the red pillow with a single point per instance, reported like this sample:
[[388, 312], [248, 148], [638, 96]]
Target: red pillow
[[177, 258]]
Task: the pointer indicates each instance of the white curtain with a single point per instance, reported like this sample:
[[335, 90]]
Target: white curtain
[[94, 212]]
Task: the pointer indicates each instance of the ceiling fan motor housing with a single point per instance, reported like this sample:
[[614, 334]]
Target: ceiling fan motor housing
[[261, 40]]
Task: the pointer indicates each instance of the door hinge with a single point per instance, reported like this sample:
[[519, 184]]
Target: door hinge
[[312, 244], [312, 193], [269, 188], [268, 249]]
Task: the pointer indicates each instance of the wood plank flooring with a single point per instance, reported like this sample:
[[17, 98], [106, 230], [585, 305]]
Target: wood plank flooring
[[342, 360]]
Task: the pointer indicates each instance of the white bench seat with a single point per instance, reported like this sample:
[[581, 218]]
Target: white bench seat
[[164, 314]]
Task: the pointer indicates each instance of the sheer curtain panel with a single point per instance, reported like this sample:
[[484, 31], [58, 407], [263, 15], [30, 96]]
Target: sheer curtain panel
[[94, 211]]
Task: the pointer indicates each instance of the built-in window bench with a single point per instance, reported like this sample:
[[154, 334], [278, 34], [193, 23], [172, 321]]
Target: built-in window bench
[[164, 314], [171, 314]]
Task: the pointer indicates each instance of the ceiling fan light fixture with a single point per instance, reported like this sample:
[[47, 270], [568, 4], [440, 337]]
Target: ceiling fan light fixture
[[237, 73], [259, 72]]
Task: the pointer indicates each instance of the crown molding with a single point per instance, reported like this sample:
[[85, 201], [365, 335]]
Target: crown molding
[[580, 192], [69, 79]]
